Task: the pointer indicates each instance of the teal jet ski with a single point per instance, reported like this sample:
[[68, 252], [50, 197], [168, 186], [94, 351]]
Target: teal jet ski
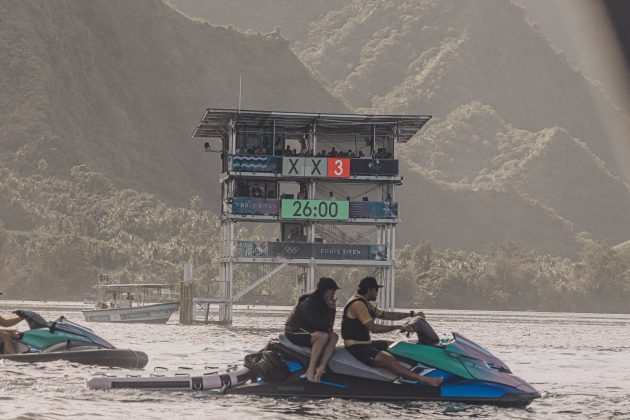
[[65, 340], [471, 373]]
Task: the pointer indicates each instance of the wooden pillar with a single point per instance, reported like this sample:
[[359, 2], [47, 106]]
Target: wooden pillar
[[186, 303], [186, 297]]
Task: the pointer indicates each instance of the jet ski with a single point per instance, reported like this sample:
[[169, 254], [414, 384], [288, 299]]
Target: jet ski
[[471, 374], [65, 340]]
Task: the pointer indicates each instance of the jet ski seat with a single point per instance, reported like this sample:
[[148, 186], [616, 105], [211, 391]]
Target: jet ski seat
[[343, 363]]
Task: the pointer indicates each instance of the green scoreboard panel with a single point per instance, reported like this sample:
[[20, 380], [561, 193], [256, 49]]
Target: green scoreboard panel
[[315, 209]]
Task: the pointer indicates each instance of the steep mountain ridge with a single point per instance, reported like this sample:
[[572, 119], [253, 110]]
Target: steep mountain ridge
[[565, 175], [462, 217], [121, 85], [473, 146], [433, 56]]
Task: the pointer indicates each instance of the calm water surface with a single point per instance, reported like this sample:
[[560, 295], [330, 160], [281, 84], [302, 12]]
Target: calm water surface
[[579, 362]]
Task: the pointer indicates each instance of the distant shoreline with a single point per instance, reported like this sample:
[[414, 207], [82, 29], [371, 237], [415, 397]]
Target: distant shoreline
[[78, 306]]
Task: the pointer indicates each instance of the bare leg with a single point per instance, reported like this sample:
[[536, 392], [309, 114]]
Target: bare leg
[[5, 339], [318, 339], [386, 360], [326, 355]]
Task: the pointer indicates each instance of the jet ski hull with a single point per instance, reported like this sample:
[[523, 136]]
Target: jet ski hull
[[122, 358], [347, 387]]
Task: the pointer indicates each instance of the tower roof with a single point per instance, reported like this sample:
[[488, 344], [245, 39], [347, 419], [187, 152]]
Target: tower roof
[[215, 123]]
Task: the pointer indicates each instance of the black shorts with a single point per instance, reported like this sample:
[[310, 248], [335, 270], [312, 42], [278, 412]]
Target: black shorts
[[300, 338], [366, 353]]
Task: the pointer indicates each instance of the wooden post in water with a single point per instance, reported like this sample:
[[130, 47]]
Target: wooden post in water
[[186, 297]]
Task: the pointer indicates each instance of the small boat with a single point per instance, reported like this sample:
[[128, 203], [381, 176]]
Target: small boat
[[133, 303], [65, 340]]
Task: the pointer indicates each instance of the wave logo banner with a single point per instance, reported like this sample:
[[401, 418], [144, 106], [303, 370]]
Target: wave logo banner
[[255, 163]]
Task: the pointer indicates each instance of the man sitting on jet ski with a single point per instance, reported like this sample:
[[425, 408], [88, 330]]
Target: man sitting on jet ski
[[7, 336], [358, 322], [311, 324]]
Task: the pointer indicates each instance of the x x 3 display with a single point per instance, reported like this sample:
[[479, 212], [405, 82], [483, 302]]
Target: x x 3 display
[[314, 167]]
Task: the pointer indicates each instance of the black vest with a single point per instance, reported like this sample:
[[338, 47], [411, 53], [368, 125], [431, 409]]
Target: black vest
[[311, 314], [353, 329]]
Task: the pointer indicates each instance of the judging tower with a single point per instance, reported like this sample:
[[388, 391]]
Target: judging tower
[[323, 185]]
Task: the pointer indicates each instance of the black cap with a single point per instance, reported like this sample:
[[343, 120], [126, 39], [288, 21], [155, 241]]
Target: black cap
[[326, 283], [368, 283]]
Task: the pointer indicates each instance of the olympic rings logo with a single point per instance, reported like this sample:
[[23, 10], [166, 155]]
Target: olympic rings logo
[[291, 249]]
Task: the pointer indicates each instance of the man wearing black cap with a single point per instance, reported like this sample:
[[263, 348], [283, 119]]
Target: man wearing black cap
[[311, 324], [358, 322]]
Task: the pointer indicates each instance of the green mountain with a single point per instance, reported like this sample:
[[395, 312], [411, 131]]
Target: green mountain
[[120, 86], [434, 56], [474, 147], [97, 168]]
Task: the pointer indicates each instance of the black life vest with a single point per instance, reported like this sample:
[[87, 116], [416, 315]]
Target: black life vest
[[312, 313], [353, 329]]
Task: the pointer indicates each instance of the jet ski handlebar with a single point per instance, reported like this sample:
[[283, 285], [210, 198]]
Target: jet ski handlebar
[[425, 333]]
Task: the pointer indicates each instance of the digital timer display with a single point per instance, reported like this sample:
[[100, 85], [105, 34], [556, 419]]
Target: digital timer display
[[315, 209]]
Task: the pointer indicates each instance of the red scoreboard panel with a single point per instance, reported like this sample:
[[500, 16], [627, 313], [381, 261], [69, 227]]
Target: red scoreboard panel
[[338, 167]]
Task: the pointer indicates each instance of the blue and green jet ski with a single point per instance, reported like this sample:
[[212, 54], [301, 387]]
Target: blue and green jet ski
[[65, 340], [471, 374]]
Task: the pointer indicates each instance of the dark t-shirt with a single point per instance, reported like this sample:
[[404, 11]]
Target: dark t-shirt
[[312, 313]]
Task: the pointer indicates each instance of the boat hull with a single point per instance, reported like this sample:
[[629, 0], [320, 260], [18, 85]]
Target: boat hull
[[150, 314], [120, 358]]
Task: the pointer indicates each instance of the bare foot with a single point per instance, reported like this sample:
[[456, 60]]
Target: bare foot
[[318, 374], [432, 381], [310, 376]]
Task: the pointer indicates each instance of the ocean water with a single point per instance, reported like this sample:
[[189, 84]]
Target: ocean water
[[579, 362]]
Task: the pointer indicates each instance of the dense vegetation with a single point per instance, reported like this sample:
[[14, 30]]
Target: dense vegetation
[[512, 278], [58, 233], [66, 229]]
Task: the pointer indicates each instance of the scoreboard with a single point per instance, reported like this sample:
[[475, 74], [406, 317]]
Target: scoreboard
[[315, 209], [316, 167]]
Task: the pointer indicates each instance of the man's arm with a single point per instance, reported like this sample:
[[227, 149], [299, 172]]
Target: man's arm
[[9, 322], [395, 316], [359, 310], [380, 328]]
